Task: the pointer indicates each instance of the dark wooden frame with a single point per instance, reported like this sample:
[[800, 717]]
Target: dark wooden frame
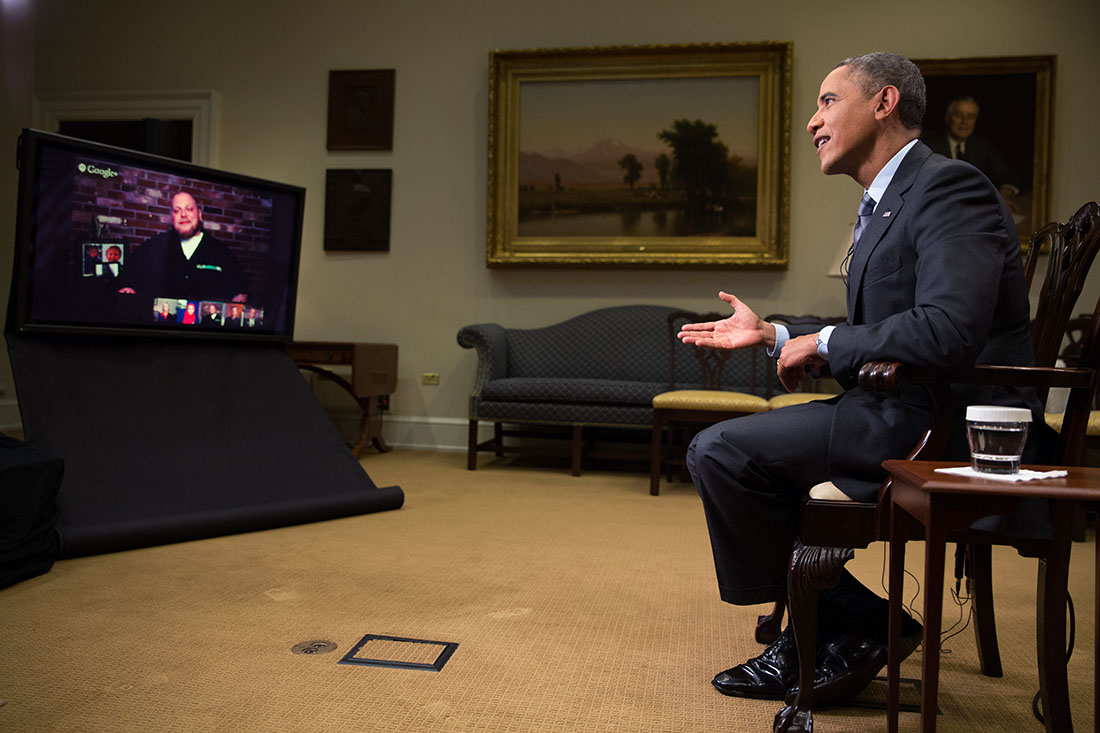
[[357, 209], [769, 62], [1016, 97], [360, 109]]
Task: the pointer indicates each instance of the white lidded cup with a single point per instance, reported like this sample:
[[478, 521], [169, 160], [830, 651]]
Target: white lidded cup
[[996, 436]]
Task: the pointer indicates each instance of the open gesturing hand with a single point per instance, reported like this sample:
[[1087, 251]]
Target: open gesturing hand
[[741, 330]]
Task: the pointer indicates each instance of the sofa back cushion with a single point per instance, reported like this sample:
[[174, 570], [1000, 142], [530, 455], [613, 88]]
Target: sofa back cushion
[[628, 343]]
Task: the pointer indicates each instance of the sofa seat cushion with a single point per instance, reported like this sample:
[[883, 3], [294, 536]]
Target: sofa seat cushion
[[571, 391], [563, 413], [710, 399]]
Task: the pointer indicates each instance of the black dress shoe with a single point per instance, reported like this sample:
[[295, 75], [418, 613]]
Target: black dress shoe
[[766, 677], [848, 664]]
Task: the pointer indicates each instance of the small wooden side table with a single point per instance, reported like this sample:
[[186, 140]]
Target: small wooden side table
[[944, 503], [373, 375]]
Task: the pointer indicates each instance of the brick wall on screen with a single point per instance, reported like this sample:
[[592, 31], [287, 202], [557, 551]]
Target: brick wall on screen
[[137, 205]]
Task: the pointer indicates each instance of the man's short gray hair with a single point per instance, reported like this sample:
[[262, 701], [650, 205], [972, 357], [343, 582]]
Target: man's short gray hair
[[879, 69]]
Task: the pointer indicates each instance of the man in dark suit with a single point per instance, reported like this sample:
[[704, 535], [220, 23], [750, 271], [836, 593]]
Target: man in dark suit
[[935, 280], [959, 141]]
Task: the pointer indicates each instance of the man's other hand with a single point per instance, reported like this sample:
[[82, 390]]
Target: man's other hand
[[798, 354]]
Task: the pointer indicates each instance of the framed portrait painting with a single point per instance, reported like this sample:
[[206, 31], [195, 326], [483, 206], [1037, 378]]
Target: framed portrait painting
[[640, 156], [996, 113]]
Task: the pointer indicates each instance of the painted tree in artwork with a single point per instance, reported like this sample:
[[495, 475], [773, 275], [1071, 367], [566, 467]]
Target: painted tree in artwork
[[632, 168], [700, 161]]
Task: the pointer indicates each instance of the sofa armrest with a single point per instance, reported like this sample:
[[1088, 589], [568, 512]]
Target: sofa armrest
[[492, 351]]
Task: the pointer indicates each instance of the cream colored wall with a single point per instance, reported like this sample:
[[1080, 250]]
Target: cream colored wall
[[269, 59]]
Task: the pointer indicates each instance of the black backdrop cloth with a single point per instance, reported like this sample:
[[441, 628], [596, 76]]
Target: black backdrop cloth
[[29, 482], [166, 441]]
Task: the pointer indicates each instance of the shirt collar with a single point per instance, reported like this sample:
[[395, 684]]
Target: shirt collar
[[882, 180]]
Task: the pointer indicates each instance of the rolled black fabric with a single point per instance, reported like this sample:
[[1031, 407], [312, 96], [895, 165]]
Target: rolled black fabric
[[166, 441]]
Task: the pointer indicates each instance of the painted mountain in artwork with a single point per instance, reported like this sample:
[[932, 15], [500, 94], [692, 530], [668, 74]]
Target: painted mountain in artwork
[[595, 164]]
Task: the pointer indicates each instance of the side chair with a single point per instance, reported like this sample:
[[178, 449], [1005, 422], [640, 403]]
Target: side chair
[[704, 402], [830, 528]]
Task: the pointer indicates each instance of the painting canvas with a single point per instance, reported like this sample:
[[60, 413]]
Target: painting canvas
[[599, 158]]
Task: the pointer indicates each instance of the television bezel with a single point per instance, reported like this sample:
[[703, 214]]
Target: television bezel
[[19, 318]]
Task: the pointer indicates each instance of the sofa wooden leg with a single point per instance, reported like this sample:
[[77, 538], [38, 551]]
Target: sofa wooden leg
[[578, 448], [471, 448], [498, 438]]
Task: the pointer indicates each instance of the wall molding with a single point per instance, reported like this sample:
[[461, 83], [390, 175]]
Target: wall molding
[[200, 106]]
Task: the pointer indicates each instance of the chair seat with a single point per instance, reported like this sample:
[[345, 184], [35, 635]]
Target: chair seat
[[827, 491], [1054, 420], [797, 398], [710, 400]]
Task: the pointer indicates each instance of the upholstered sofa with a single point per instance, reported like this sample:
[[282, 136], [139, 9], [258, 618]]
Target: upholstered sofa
[[597, 370]]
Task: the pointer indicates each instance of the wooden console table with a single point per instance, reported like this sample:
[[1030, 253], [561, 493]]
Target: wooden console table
[[373, 375], [942, 503]]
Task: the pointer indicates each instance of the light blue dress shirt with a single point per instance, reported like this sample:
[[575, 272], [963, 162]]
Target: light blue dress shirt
[[877, 190]]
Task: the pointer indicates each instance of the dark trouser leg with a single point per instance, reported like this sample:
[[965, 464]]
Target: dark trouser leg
[[751, 473]]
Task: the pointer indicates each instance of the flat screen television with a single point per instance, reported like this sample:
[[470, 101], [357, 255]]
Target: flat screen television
[[116, 241]]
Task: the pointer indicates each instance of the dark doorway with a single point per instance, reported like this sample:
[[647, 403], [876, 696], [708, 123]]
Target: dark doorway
[[170, 138]]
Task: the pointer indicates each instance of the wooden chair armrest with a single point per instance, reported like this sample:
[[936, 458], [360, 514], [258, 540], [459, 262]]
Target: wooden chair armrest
[[888, 376], [1032, 376]]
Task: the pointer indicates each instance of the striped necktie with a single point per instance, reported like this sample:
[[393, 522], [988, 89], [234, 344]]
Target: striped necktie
[[866, 207]]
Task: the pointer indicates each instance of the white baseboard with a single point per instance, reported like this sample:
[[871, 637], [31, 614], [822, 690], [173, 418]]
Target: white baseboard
[[447, 434]]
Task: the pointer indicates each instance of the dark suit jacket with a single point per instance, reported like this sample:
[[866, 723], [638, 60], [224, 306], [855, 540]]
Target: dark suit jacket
[[936, 281], [983, 155]]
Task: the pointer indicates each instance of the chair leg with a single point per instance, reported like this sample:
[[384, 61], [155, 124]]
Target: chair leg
[[811, 570], [979, 572], [471, 448], [498, 438], [770, 626], [655, 454], [1051, 623]]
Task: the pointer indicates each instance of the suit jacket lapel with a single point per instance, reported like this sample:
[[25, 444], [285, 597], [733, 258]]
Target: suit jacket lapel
[[886, 212]]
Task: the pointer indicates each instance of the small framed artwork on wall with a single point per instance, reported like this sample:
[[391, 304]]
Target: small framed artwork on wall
[[357, 210], [360, 109]]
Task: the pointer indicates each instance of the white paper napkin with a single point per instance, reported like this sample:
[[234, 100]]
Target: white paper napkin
[[1023, 475]]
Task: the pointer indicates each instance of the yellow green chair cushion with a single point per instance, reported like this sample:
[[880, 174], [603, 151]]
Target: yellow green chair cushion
[[1054, 419], [709, 399], [796, 398]]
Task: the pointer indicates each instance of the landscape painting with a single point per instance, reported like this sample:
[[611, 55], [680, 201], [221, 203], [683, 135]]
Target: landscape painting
[[640, 156]]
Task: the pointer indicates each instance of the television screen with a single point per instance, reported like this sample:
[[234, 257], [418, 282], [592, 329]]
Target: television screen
[[114, 240]]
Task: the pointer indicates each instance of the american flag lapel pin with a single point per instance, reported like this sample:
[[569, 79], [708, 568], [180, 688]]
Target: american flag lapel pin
[[886, 214]]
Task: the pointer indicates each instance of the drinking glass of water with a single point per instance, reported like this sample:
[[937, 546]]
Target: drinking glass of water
[[996, 436]]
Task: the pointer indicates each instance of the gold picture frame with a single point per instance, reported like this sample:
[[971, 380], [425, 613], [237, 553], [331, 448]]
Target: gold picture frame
[[1015, 104], [640, 156]]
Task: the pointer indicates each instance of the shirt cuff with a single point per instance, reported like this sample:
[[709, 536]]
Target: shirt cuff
[[823, 341], [782, 336]]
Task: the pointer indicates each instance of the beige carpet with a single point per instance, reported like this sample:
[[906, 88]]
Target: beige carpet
[[578, 604]]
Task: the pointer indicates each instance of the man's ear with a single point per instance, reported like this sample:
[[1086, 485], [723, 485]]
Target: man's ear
[[887, 102]]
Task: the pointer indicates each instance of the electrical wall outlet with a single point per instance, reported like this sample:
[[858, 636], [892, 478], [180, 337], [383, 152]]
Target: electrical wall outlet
[[429, 378]]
